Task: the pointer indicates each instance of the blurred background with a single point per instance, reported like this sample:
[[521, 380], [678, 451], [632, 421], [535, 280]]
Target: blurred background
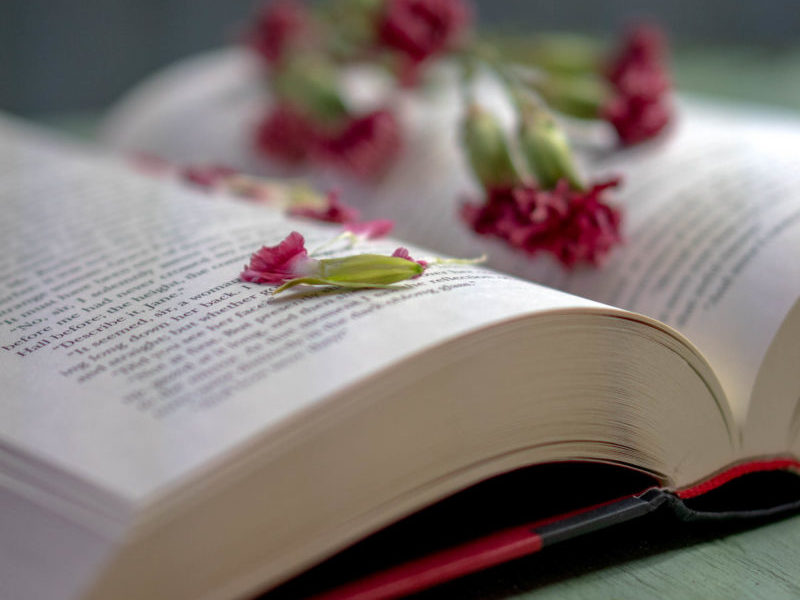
[[66, 61]]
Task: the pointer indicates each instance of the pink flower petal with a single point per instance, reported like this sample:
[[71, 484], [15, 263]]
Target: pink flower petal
[[402, 252], [277, 264]]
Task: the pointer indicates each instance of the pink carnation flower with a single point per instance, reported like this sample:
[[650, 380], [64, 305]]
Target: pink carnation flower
[[278, 264], [280, 25], [640, 108], [646, 82], [364, 146], [589, 231], [335, 211], [286, 135], [636, 120], [575, 226], [419, 29], [643, 45]]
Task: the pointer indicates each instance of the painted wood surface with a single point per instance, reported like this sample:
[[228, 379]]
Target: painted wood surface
[[657, 558]]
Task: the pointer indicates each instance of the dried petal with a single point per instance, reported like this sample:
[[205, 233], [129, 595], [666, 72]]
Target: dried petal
[[277, 264], [402, 252]]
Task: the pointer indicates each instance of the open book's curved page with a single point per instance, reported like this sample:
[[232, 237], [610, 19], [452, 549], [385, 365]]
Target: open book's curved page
[[131, 353]]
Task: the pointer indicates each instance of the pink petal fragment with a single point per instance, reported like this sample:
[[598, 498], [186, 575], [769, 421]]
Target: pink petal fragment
[[402, 252], [277, 264]]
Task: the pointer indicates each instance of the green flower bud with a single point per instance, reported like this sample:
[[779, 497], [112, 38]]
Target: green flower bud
[[581, 97], [309, 82], [487, 149], [354, 22], [359, 271], [546, 149], [564, 53]]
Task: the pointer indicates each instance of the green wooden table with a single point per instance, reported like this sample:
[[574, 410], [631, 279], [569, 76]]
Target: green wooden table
[[651, 560]]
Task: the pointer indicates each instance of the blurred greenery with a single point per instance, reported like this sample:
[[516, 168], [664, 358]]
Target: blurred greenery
[[757, 74], [745, 73]]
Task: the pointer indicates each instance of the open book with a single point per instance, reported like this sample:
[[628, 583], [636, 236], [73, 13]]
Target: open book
[[169, 431]]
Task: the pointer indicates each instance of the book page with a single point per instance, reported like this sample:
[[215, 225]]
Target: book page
[[712, 228], [713, 232], [130, 352]]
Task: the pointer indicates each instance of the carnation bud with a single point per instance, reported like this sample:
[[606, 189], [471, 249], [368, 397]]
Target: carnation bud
[[546, 149], [355, 23], [577, 96], [309, 82], [487, 149], [359, 271], [565, 53]]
